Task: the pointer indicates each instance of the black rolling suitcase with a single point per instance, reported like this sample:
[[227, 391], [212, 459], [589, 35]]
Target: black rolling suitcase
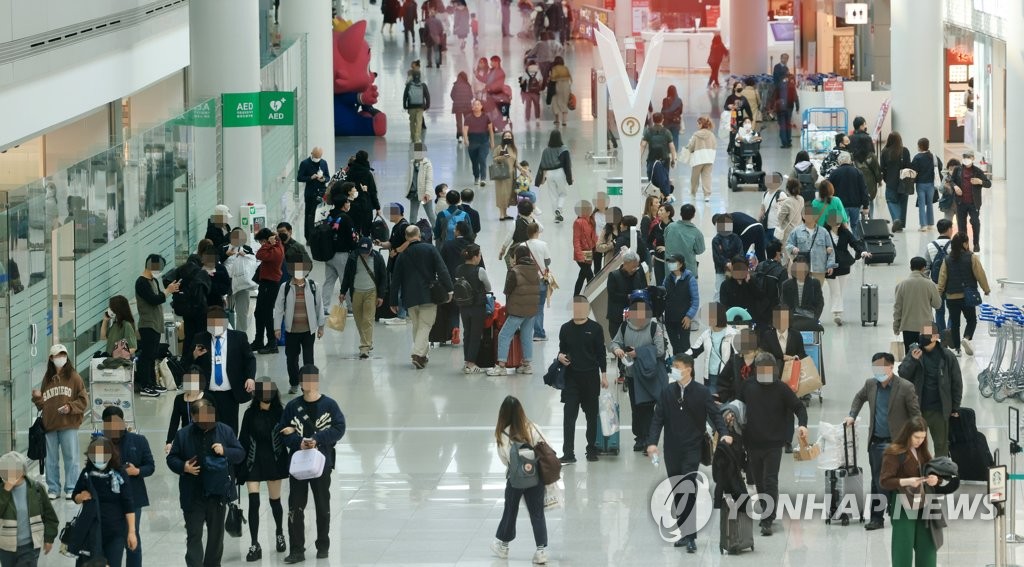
[[441, 331], [968, 447], [487, 356], [844, 486], [878, 241]]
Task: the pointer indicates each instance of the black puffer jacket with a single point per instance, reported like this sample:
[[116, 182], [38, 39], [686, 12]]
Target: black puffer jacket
[[360, 173]]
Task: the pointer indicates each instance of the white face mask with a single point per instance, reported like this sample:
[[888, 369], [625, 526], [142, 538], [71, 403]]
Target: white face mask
[[677, 375], [110, 313], [60, 361], [300, 275], [156, 273], [968, 162], [673, 266], [765, 377], [217, 330], [315, 159]]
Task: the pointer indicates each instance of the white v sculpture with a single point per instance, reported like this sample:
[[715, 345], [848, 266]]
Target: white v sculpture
[[630, 107]]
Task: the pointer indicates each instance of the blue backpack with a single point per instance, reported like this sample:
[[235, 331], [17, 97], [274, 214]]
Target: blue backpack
[[453, 219]]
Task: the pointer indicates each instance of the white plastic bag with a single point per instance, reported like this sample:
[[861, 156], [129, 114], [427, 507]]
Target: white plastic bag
[[553, 495], [608, 409], [307, 464], [830, 439], [241, 268]]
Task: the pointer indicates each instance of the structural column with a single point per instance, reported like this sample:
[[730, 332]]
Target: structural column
[[917, 108], [312, 18], [1014, 21], [748, 37], [224, 39]]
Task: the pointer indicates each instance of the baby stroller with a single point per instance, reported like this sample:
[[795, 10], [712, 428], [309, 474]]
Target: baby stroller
[[745, 165]]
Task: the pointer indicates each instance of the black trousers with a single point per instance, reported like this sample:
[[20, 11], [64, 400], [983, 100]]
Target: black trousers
[[298, 497], [679, 462], [614, 324], [586, 274], [265, 312], [209, 514], [227, 407], [764, 464], [642, 414], [310, 218], [193, 325], [149, 340], [909, 338], [581, 391], [472, 331], [678, 337], [293, 344], [534, 497], [962, 213], [754, 236]]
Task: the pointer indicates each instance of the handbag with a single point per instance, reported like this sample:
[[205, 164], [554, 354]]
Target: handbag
[[547, 461], [121, 350], [572, 102], [707, 446], [972, 297], [307, 464], [499, 170], [233, 518], [685, 155], [81, 536]]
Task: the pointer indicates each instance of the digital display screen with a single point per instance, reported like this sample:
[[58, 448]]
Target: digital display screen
[[782, 31]]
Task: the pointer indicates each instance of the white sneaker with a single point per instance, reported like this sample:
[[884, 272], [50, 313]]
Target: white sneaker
[[967, 346], [540, 557], [394, 321], [497, 371], [500, 549], [524, 369]]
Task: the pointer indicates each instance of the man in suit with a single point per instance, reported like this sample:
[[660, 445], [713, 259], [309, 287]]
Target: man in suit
[[779, 340], [228, 361], [467, 205], [803, 295], [314, 172], [892, 402]]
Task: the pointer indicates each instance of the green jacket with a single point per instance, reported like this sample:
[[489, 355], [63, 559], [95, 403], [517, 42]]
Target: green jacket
[[41, 517], [683, 237]]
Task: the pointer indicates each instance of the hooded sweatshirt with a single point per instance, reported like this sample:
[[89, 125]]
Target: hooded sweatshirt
[[56, 391], [702, 147]]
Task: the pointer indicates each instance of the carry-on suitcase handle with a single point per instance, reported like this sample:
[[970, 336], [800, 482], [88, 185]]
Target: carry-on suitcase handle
[[850, 446]]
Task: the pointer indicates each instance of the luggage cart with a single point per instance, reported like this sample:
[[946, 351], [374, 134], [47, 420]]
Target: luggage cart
[[111, 387], [812, 346], [820, 126]]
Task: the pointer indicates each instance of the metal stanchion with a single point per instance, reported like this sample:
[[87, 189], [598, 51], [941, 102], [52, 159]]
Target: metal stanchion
[[1000, 540], [1011, 535]]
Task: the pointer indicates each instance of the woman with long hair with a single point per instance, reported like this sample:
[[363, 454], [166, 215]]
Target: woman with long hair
[[805, 173], [961, 274], [103, 482], [903, 473], [507, 153], [672, 111], [718, 53], [62, 400], [562, 78], [118, 327], [462, 101], [895, 158], [555, 171], [266, 460], [791, 212], [610, 232], [827, 203], [514, 427], [194, 384], [473, 315], [584, 240]]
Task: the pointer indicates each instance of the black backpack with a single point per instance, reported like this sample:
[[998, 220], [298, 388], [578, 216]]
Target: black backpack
[[769, 278], [464, 292], [660, 138], [940, 257], [195, 288], [426, 231], [322, 241]]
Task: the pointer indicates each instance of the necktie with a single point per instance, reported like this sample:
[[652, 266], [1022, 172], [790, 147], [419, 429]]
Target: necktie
[[218, 368]]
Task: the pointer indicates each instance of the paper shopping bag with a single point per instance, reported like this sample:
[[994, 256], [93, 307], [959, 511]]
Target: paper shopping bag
[[810, 380], [806, 452], [898, 349], [791, 373], [336, 320]]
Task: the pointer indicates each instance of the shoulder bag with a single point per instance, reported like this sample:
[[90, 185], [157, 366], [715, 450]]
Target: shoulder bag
[[438, 295], [81, 536]]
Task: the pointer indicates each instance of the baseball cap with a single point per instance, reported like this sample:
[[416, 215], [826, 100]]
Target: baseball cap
[[399, 206], [365, 244], [57, 349], [968, 154], [222, 210]]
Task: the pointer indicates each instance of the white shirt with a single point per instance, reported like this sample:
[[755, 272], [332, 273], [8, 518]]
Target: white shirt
[[222, 361], [933, 247], [783, 339], [540, 252], [774, 208]]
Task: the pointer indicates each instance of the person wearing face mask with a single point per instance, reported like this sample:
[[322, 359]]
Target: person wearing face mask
[[682, 301], [194, 383], [313, 421], [27, 518], [739, 110], [803, 295], [219, 226], [555, 171], [421, 184], [682, 409], [725, 246], [118, 328], [241, 264], [717, 340], [266, 460], [639, 344], [581, 350], [268, 276], [935, 373], [892, 402], [366, 280], [102, 482], [621, 282], [201, 449], [291, 247], [314, 172], [150, 299], [967, 181], [62, 399], [740, 290], [299, 309], [506, 153], [771, 405], [137, 464], [228, 363]]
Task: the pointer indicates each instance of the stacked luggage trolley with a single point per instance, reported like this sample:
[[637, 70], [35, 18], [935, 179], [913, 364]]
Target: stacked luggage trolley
[[113, 386], [1006, 324], [820, 126]]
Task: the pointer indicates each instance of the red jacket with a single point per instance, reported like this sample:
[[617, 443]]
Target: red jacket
[[584, 237], [271, 257]]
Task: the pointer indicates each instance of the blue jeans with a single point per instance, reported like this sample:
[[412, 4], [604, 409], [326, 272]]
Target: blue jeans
[[897, 203], [875, 451], [785, 135], [24, 555], [925, 209], [525, 327], [940, 316], [855, 227], [478, 146], [61, 443], [538, 321]]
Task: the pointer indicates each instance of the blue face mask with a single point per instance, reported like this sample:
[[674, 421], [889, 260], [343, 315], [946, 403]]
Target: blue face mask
[[99, 463], [880, 373]]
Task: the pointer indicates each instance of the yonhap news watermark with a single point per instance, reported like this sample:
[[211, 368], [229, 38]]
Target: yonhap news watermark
[[682, 505]]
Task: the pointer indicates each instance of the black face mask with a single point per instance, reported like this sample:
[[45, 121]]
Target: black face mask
[[283, 237]]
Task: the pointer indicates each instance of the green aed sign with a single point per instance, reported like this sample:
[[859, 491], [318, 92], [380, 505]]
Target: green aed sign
[[268, 108]]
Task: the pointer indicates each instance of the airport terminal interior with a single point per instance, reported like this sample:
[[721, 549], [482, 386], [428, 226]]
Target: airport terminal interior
[[418, 480]]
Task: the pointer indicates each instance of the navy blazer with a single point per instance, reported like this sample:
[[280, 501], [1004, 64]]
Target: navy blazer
[[189, 443], [134, 448]]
